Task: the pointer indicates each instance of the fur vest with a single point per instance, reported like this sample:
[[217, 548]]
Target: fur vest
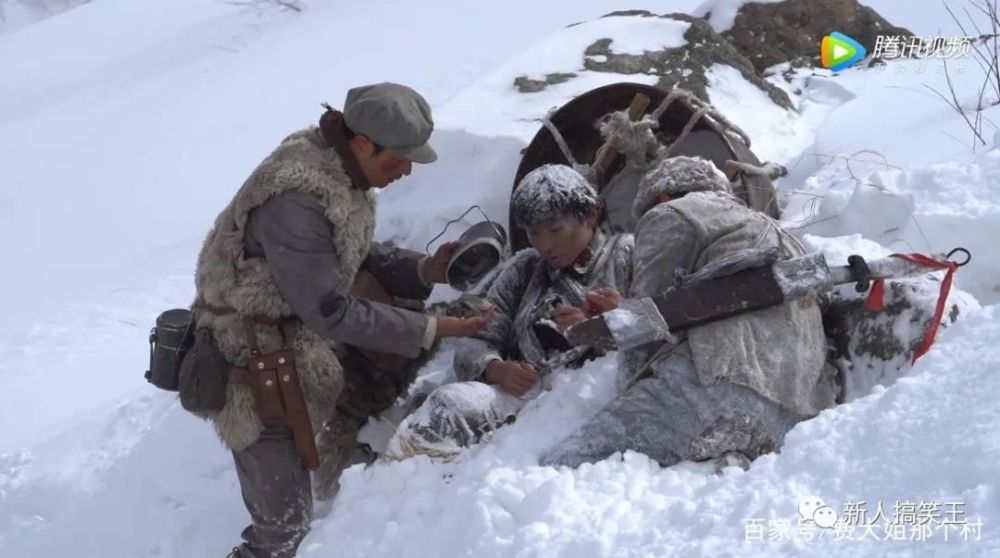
[[303, 162]]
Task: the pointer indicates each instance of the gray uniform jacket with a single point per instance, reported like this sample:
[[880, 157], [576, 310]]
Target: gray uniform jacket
[[291, 232], [728, 388], [778, 352], [458, 415], [521, 285]]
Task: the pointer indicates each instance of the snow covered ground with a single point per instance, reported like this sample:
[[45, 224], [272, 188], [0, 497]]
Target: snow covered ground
[[15, 14], [125, 126]]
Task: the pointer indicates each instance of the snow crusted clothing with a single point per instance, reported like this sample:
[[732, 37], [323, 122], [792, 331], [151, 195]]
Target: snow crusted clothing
[[457, 415], [735, 385], [521, 286]]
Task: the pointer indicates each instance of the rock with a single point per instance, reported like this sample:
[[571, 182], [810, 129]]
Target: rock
[[525, 84], [683, 66], [791, 31]]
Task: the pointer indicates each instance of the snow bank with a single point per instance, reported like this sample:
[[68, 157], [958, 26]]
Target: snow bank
[[892, 162], [776, 134], [928, 131], [152, 468], [883, 448], [141, 478], [15, 14], [721, 14], [930, 209], [894, 110]]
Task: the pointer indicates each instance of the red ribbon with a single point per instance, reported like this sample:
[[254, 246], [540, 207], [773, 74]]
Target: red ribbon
[[876, 296]]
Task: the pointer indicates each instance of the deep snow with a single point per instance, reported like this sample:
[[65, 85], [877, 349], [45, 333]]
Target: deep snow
[[125, 126]]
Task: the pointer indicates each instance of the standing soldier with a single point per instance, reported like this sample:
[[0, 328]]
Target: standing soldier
[[274, 283]]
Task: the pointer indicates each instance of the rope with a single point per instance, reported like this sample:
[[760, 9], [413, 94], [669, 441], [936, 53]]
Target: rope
[[710, 111], [633, 139], [674, 94], [558, 137], [686, 130], [770, 170], [584, 170]]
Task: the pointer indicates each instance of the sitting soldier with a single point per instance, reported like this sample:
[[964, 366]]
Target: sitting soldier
[[573, 270], [728, 389]]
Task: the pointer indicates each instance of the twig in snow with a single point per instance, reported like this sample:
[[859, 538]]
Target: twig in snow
[[260, 5], [987, 56]]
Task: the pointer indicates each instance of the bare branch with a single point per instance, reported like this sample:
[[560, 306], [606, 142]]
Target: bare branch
[[292, 5], [987, 56], [957, 140]]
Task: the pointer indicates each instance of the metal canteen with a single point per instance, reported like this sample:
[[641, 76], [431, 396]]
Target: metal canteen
[[480, 250]]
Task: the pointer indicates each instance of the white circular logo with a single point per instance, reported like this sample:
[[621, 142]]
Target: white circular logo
[[815, 509]]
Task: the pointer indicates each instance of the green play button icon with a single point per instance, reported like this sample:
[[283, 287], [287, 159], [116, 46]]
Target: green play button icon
[[838, 51]]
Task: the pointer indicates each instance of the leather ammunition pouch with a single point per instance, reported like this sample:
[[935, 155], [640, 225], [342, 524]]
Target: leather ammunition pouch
[[272, 376], [277, 390]]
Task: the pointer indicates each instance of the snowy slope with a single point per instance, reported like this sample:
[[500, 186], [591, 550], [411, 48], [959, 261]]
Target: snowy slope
[[137, 136], [15, 14], [908, 179], [559, 52]]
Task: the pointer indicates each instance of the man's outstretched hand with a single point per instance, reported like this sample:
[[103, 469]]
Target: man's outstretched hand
[[451, 326]]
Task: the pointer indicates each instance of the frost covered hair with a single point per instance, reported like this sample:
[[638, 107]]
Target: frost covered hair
[[553, 192], [678, 176]]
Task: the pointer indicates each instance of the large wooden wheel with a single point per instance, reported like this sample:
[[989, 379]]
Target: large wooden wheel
[[577, 122]]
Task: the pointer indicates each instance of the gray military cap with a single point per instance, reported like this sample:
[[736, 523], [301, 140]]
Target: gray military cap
[[393, 116]]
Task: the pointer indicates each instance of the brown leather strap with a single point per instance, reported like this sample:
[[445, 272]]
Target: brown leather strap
[[260, 319], [275, 381], [296, 412], [240, 376], [279, 398], [250, 331]]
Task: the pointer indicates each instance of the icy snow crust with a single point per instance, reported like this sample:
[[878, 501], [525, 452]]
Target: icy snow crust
[[722, 13], [885, 447], [136, 136], [551, 193]]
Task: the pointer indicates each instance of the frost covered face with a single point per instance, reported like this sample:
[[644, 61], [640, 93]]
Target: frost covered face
[[560, 211], [561, 242], [380, 165]]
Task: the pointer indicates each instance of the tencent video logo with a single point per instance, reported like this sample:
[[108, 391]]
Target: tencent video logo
[[838, 51]]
